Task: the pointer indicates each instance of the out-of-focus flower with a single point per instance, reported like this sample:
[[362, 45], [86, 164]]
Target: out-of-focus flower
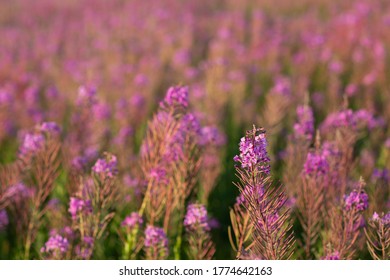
[[18, 192], [32, 143], [304, 128], [316, 164], [356, 200], [176, 97], [210, 135], [106, 166], [50, 127], [131, 221], [196, 218], [56, 246], [354, 120], [333, 256], [86, 96], [155, 236], [78, 206], [384, 219], [3, 220], [381, 174]]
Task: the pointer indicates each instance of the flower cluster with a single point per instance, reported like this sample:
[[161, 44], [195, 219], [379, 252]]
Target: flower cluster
[[132, 221], [56, 246], [385, 219], [196, 217], [253, 151], [107, 166], [316, 164], [50, 127], [354, 120], [333, 256], [155, 236], [304, 128], [32, 143], [176, 97], [79, 206], [356, 200], [156, 243]]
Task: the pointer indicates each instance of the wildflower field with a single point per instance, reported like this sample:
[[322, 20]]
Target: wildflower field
[[225, 129]]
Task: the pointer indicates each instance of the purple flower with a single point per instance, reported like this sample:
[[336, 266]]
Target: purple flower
[[316, 164], [159, 175], [282, 86], [375, 216], [196, 218], [381, 174], [78, 206], [385, 219], [56, 245], [107, 166], [210, 135], [18, 192], [32, 143], [304, 128], [333, 256], [355, 120], [3, 220], [155, 237], [86, 96], [253, 151], [85, 249], [50, 127], [343, 118], [133, 220], [176, 96], [101, 111], [356, 200]]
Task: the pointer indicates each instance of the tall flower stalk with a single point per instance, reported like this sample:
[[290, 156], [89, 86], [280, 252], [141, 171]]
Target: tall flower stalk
[[198, 234], [272, 236], [346, 223]]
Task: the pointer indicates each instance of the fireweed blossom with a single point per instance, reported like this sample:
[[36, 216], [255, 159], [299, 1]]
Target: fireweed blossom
[[316, 164], [156, 243], [56, 247], [196, 223], [350, 119], [253, 151], [356, 200], [132, 221], [50, 127], [346, 222], [262, 200], [196, 216], [176, 96], [334, 256], [32, 143], [79, 206], [107, 167], [304, 128]]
